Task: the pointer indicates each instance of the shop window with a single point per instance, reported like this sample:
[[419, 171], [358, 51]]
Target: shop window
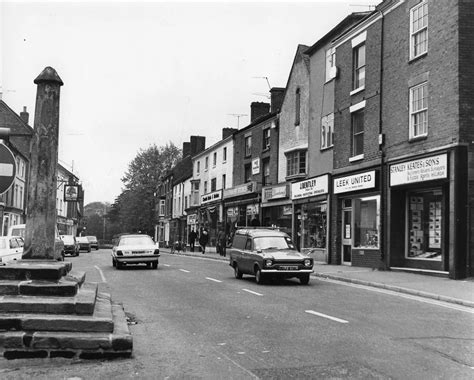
[[312, 225], [425, 218], [366, 222]]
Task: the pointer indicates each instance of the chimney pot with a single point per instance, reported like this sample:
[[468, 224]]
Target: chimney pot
[[24, 115], [258, 109]]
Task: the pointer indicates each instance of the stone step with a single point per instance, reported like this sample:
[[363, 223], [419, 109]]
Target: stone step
[[35, 270], [71, 344], [82, 303], [100, 321]]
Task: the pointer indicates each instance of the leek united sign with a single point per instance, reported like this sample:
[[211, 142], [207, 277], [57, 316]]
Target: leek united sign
[[7, 168]]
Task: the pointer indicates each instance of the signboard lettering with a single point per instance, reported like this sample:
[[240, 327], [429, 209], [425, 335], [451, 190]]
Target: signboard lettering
[[354, 182], [425, 169], [310, 187], [211, 197]]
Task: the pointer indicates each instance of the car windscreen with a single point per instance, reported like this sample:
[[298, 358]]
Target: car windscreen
[[92, 239], [18, 232], [135, 240], [273, 242], [68, 239]]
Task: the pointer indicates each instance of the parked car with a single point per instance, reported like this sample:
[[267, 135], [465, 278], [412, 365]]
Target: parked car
[[135, 249], [265, 253], [19, 230], [84, 244], [11, 248], [93, 241], [71, 246]]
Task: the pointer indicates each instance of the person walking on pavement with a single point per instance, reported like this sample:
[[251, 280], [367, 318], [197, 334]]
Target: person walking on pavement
[[221, 242], [203, 239], [192, 239]]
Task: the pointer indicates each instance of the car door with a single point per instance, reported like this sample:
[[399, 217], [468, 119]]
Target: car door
[[15, 251], [247, 256]]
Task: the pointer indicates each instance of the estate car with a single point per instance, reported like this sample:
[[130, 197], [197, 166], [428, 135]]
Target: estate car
[[266, 253]]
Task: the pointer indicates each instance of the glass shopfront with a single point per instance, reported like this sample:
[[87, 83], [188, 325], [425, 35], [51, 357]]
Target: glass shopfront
[[366, 223], [278, 216], [311, 225]]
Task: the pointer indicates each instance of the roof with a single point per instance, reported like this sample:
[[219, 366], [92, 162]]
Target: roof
[[259, 232], [10, 119]]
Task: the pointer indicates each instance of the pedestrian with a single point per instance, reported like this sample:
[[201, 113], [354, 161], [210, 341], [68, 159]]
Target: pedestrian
[[192, 239], [203, 239], [221, 242]]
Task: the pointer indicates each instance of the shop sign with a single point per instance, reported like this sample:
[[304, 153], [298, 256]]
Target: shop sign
[[310, 187], [425, 169], [246, 188], [191, 219], [288, 210], [256, 166], [276, 192], [211, 197], [252, 209], [354, 182]]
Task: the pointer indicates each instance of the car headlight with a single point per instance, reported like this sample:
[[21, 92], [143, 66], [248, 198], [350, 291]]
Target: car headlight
[[156, 252], [268, 262], [307, 263], [119, 253]]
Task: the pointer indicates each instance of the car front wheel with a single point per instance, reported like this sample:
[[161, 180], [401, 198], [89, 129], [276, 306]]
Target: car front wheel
[[304, 279], [237, 272]]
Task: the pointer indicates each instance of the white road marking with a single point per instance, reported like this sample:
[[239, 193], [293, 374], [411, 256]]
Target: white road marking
[[265, 352], [213, 279], [166, 265], [184, 270], [250, 291], [326, 316], [101, 273], [221, 344], [447, 305]]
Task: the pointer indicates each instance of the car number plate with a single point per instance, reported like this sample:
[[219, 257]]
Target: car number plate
[[288, 267], [138, 252]]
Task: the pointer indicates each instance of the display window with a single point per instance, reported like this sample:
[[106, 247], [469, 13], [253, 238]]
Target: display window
[[425, 217], [311, 222], [366, 214], [278, 216]]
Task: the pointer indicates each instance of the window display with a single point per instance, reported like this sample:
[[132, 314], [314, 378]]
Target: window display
[[366, 222], [424, 225], [311, 219]]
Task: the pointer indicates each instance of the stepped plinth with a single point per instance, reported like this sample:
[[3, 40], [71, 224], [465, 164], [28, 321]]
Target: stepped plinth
[[48, 310]]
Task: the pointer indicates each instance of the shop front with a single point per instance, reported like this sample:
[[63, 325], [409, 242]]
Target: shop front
[[419, 213], [357, 204], [191, 225], [310, 207], [210, 215], [277, 208]]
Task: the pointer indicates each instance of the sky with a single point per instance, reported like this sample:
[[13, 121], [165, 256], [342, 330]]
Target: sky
[[142, 73]]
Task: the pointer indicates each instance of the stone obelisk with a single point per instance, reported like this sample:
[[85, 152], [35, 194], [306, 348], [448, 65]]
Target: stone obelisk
[[40, 231]]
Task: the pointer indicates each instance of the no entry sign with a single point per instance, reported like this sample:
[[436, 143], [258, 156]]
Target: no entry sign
[[7, 168]]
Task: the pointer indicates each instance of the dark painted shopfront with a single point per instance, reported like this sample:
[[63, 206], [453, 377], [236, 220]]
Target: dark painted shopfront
[[357, 205], [310, 206], [210, 215], [427, 217], [277, 208], [242, 206]]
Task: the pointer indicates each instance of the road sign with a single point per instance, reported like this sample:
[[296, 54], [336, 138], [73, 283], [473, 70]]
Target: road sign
[[7, 168]]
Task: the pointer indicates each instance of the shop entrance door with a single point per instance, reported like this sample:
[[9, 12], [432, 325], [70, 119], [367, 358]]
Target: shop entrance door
[[347, 236]]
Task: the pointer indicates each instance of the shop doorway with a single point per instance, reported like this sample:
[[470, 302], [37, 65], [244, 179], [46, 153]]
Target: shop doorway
[[347, 232]]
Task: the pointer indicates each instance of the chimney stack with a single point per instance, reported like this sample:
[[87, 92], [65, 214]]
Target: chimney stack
[[258, 109], [276, 94], [226, 132], [198, 144], [25, 116], [186, 149]]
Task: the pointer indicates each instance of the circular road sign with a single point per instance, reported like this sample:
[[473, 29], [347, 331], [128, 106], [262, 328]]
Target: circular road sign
[[7, 168]]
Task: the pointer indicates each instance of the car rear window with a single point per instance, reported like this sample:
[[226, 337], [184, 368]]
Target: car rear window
[[67, 239], [136, 240]]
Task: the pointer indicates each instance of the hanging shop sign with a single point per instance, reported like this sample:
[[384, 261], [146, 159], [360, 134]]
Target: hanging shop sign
[[354, 182], [277, 192], [425, 169], [256, 166], [191, 219], [211, 197], [310, 187], [246, 188]]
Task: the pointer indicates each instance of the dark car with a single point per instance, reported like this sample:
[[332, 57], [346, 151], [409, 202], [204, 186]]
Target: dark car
[[266, 253], [71, 246], [84, 244], [93, 242]]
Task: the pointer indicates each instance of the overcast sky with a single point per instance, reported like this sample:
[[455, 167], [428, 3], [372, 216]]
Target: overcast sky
[[144, 73]]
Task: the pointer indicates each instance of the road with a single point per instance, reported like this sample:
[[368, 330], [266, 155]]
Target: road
[[194, 320]]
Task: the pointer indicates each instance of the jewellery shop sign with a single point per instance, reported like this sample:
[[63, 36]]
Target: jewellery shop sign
[[425, 169]]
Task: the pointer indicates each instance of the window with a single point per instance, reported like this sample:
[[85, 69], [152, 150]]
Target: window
[[213, 184], [266, 138], [419, 30], [327, 131], [186, 202], [419, 110], [205, 187], [330, 64], [359, 67], [198, 167], [357, 119], [366, 222], [224, 154], [247, 173], [266, 172], [297, 106], [194, 194], [162, 207], [248, 146], [223, 181], [206, 164], [214, 159], [296, 163]]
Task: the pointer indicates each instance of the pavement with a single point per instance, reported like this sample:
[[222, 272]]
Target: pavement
[[460, 292]]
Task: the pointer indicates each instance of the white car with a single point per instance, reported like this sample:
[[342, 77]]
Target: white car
[[135, 249], [11, 248]]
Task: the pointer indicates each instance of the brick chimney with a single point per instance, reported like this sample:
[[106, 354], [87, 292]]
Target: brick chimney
[[258, 109], [276, 94], [198, 144], [226, 132], [186, 149], [25, 116]]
